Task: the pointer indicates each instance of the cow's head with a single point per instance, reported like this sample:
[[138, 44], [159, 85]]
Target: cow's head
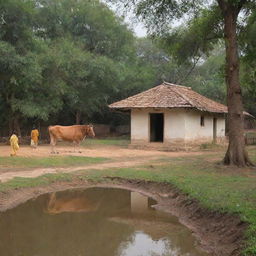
[[90, 131]]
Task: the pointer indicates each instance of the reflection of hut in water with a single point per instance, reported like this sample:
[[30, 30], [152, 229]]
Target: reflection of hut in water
[[140, 203]]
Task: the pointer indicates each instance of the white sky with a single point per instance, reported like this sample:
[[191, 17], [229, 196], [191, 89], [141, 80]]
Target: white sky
[[137, 27], [139, 30]]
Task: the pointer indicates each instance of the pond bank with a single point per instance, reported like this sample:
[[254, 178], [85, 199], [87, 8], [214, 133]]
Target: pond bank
[[219, 234]]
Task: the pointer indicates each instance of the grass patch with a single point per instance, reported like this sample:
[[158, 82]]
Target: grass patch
[[46, 179], [54, 161], [211, 146], [119, 141]]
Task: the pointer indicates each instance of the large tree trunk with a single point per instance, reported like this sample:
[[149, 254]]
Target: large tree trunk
[[236, 153]]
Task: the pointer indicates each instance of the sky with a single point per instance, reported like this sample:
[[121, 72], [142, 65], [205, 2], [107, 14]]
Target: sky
[[138, 27]]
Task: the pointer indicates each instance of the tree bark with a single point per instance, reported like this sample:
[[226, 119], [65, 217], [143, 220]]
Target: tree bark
[[236, 153], [14, 125], [78, 117]]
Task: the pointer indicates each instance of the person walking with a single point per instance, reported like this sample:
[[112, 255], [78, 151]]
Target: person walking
[[14, 142], [34, 137]]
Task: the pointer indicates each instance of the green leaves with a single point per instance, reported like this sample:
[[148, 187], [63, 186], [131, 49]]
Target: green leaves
[[62, 55]]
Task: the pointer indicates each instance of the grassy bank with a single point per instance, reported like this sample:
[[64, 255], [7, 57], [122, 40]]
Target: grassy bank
[[54, 161], [226, 189]]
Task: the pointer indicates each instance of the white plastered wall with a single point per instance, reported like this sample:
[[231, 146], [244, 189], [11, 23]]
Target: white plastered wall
[[174, 124], [179, 125], [221, 127], [194, 130], [139, 125]]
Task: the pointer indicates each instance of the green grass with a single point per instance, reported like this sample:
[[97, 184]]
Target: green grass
[[121, 141], [54, 161], [46, 179]]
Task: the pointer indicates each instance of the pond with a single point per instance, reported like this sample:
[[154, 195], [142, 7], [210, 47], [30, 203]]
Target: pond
[[93, 222]]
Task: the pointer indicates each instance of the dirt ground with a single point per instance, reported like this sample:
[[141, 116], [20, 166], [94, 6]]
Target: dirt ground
[[96, 151]]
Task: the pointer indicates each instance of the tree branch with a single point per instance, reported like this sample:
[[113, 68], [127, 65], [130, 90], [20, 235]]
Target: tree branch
[[190, 71]]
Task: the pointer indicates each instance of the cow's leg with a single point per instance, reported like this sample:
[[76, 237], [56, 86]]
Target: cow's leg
[[53, 144], [77, 145], [52, 200], [74, 143]]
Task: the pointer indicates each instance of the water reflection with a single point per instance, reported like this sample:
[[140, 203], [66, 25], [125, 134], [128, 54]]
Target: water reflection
[[93, 222], [143, 245]]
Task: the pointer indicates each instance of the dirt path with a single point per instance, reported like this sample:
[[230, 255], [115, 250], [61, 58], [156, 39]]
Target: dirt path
[[32, 173], [121, 157], [92, 151]]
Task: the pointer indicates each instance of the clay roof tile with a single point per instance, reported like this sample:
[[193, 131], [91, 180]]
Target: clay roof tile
[[169, 95]]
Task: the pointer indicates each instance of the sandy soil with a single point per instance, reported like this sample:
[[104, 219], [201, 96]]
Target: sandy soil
[[95, 151], [120, 158], [218, 234]]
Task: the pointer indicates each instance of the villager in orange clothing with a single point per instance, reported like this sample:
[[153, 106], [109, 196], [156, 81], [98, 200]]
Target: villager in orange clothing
[[14, 142], [34, 137]]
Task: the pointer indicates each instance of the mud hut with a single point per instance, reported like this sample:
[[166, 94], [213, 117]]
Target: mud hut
[[173, 117]]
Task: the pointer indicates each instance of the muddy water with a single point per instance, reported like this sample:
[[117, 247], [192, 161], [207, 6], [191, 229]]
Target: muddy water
[[93, 222]]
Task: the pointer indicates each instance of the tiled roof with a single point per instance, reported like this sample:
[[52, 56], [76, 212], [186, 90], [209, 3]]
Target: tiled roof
[[169, 95]]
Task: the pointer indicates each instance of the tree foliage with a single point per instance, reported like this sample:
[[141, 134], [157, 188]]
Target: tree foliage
[[64, 56]]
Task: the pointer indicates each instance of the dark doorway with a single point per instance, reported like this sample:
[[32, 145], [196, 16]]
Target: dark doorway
[[214, 129], [156, 127]]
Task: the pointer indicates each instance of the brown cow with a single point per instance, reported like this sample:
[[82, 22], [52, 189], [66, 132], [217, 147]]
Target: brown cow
[[74, 204], [73, 133]]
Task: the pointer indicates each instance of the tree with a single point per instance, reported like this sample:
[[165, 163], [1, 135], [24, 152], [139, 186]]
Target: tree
[[248, 62], [163, 64], [63, 56], [207, 78], [220, 16], [236, 153], [93, 45]]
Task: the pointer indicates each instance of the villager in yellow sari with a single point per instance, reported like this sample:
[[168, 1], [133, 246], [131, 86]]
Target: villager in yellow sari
[[34, 137], [14, 142]]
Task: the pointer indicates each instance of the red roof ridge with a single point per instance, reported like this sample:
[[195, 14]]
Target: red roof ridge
[[183, 96]]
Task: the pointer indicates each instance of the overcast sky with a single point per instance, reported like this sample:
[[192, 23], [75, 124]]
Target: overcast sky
[[137, 27]]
